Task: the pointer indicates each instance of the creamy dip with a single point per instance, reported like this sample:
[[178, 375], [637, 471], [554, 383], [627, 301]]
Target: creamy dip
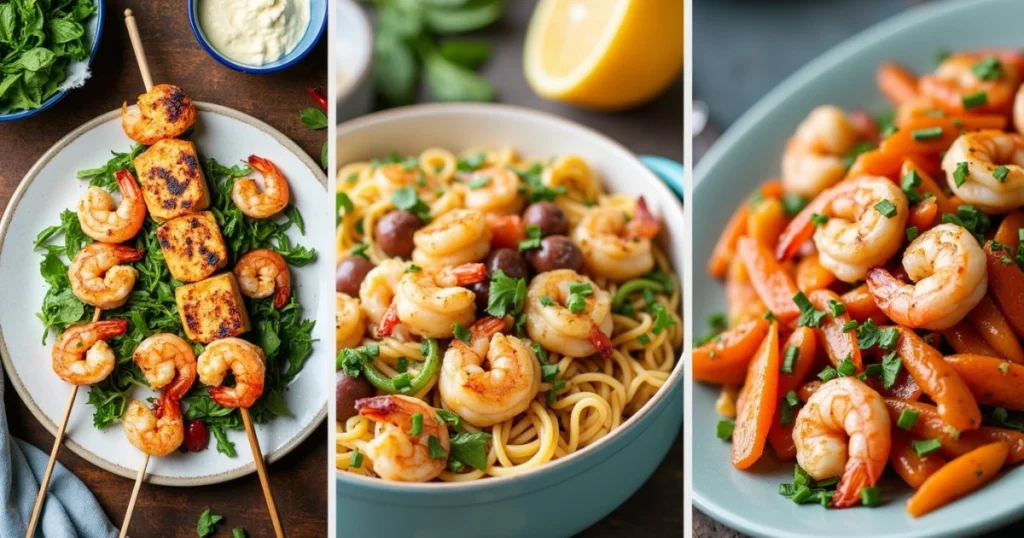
[[254, 32]]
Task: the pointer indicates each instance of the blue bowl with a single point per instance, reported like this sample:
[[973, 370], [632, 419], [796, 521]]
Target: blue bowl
[[561, 497], [95, 29], [317, 25]]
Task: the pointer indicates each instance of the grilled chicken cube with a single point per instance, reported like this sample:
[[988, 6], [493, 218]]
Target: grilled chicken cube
[[172, 179], [193, 246], [212, 309]]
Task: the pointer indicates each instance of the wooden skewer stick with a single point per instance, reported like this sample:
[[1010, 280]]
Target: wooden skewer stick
[[140, 53], [261, 470], [135, 496], [58, 440]]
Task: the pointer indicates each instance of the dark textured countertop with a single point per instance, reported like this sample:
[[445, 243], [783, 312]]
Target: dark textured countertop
[[175, 56]]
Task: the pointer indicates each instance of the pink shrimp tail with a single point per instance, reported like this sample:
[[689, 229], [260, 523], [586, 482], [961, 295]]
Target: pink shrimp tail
[[389, 321], [487, 326], [126, 184], [643, 225], [469, 273], [111, 327], [281, 296], [376, 407], [127, 254], [262, 165], [601, 341], [859, 475], [885, 289]]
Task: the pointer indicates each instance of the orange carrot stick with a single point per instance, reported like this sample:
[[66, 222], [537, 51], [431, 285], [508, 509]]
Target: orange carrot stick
[[964, 339], [769, 278], [928, 185], [860, 305], [992, 380], [905, 387], [913, 469], [939, 380], [958, 478], [755, 417], [725, 247], [1006, 286], [839, 344], [930, 426], [990, 323], [804, 341], [811, 275], [724, 360], [742, 302], [923, 215], [896, 83], [766, 221], [1007, 233]]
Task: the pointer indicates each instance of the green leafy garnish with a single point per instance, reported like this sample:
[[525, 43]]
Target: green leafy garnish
[[207, 520], [507, 295]]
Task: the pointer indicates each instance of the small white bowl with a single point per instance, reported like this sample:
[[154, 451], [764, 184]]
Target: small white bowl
[[354, 46]]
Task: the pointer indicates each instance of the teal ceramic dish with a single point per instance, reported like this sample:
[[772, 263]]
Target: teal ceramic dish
[[749, 153], [567, 495]]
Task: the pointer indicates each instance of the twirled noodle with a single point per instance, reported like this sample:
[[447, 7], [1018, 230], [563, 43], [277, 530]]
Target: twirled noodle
[[599, 392]]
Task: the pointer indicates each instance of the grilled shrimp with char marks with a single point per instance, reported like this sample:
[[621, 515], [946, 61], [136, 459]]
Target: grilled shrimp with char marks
[[99, 218], [394, 452], [80, 354], [98, 278], [947, 266], [485, 397]]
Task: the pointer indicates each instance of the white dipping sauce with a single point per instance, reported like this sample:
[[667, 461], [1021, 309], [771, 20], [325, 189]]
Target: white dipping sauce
[[254, 32]]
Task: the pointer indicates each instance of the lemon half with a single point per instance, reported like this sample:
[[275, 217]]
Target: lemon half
[[604, 54]]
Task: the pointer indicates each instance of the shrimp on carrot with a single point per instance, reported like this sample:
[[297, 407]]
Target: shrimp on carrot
[[813, 160], [961, 76], [844, 430], [986, 169]]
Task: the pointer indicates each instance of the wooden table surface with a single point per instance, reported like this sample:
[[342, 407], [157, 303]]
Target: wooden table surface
[[656, 128], [299, 480]]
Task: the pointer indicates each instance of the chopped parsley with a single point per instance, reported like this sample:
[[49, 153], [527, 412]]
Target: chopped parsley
[[507, 295], [533, 234], [462, 333], [988, 69], [406, 199]]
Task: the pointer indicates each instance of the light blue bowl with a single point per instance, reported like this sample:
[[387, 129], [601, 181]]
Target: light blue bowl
[[317, 25], [567, 495], [746, 155], [95, 30]]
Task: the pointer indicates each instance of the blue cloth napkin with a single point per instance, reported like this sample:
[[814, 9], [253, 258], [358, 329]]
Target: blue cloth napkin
[[70, 510]]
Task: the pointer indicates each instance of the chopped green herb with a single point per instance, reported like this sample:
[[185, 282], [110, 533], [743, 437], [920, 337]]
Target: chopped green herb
[[960, 174], [462, 333], [533, 233], [819, 219], [809, 316], [546, 301], [911, 233], [909, 184], [724, 429], [549, 372], [908, 417], [643, 339], [828, 374], [974, 100], [888, 337], [478, 182], [886, 208], [437, 451], [867, 335], [417, 425], [847, 368], [792, 354], [406, 199], [1000, 173], [470, 448], [850, 325], [869, 496], [207, 520], [507, 295], [923, 448], [930, 133], [836, 308], [891, 365], [793, 203], [988, 69]]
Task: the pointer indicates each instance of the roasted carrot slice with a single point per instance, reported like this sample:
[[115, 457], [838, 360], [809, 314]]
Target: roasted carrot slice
[[922, 216], [913, 469], [760, 401], [958, 478], [781, 439], [766, 221], [992, 380], [928, 185], [769, 278], [804, 341], [896, 83], [939, 380], [930, 426], [725, 247], [964, 339], [990, 323], [724, 360], [1006, 286], [1008, 231], [860, 305], [742, 302], [839, 344], [811, 275], [905, 388]]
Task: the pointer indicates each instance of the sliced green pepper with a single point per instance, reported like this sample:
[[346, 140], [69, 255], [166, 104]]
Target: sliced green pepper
[[632, 286], [417, 382]]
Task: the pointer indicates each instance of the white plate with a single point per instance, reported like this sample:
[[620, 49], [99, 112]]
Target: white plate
[[49, 188]]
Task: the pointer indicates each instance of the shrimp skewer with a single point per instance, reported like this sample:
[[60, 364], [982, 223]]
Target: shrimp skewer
[[245, 193]]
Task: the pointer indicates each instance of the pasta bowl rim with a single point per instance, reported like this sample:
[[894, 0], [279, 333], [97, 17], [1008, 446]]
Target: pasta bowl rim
[[647, 413]]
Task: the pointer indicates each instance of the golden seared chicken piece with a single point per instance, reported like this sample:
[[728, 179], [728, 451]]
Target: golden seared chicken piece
[[163, 112], [211, 309], [172, 179], [193, 246]]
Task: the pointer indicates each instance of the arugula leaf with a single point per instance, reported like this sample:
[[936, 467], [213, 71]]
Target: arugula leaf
[[207, 520]]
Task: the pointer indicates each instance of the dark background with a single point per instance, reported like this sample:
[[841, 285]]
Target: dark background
[[744, 48], [299, 480], [655, 128]]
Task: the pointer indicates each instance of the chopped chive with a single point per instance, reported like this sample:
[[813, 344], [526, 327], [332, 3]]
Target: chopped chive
[[644, 339], [549, 372], [417, 424], [819, 219], [931, 133], [558, 385], [1000, 173], [850, 325], [828, 374], [793, 203], [724, 429], [869, 496], [988, 69], [974, 100], [923, 448], [800, 476], [355, 461], [792, 353], [786, 489], [479, 182], [911, 233], [401, 381], [908, 417], [960, 174], [551, 398], [887, 208]]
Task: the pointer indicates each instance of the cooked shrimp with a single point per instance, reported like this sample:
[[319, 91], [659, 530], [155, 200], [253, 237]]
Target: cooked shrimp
[[98, 278], [456, 237], [262, 273], [958, 77], [485, 397], [379, 287], [614, 248], [158, 432], [245, 193], [246, 362], [494, 190], [163, 112], [980, 157], [556, 327], [166, 360], [843, 431], [80, 355], [950, 278], [396, 176], [397, 455], [430, 302], [349, 323], [813, 160], [102, 222], [857, 235]]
